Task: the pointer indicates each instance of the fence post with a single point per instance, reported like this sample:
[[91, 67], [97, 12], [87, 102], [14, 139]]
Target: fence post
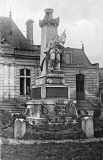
[[88, 127], [19, 128]]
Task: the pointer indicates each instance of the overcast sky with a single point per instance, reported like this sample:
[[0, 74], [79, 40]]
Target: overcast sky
[[82, 19]]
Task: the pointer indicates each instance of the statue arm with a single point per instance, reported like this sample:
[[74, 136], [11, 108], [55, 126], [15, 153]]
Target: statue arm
[[47, 50]]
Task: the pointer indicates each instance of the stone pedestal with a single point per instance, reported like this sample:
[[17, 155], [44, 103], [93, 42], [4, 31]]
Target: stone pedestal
[[54, 77], [87, 127], [19, 128], [50, 91], [47, 109], [50, 104], [51, 85]]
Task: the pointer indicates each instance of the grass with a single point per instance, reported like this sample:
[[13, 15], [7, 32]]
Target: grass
[[53, 151]]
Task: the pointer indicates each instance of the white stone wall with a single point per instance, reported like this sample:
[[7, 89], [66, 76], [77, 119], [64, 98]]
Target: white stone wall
[[24, 64], [91, 80], [10, 76]]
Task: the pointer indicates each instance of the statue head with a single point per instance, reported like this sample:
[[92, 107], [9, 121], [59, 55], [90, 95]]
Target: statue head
[[52, 45]]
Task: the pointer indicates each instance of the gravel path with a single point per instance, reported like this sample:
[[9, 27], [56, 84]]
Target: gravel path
[[17, 141]]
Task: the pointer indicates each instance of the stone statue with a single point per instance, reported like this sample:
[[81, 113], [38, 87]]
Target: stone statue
[[54, 49]]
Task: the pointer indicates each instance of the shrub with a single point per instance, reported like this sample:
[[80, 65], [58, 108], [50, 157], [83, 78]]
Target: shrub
[[5, 118], [6, 123]]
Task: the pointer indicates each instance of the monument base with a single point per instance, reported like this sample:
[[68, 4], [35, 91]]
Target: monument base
[[52, 85], [51, 110], [50, 91], [49, 94], [54, 77]]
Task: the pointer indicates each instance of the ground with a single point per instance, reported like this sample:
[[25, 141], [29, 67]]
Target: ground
[[62, 145], [88, 149]]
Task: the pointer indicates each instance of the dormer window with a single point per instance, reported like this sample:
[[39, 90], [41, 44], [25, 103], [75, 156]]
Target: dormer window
[[68, 57]]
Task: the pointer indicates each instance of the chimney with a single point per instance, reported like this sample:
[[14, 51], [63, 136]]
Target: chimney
[[29, 31]]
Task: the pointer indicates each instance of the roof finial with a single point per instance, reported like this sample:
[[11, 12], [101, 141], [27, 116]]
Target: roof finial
[[10, 13], [82, 46]]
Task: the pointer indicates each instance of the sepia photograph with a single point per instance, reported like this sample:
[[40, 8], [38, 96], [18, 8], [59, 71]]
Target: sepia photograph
[[51, 80]]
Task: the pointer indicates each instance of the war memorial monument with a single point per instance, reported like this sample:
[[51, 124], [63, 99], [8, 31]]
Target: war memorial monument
[[50, 106], [50, 96]]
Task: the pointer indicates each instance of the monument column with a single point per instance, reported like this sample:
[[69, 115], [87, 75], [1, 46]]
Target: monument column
[[49, 31]]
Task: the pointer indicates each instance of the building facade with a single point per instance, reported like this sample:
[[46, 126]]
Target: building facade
[[82, 76], [19, 60], [19, 66]]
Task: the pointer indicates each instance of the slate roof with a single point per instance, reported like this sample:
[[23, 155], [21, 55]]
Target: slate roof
[[78, 56], [12, 34]]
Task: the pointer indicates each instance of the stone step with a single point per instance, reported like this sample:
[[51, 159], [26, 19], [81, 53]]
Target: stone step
[[87, 104], [12, 107], [7, 104]]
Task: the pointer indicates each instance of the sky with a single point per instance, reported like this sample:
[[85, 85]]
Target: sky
[[82, 19]]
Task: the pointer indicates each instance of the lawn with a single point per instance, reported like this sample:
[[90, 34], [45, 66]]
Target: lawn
[[49, 145], [75, 150]]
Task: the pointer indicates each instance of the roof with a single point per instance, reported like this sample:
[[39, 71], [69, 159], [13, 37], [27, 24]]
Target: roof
[[78, 56], [11, 33]]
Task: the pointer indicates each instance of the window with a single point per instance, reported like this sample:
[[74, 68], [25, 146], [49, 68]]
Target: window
[[68, 58], [25, 80]]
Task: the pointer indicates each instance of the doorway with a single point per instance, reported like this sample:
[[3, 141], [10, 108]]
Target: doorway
[[80, 87]]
